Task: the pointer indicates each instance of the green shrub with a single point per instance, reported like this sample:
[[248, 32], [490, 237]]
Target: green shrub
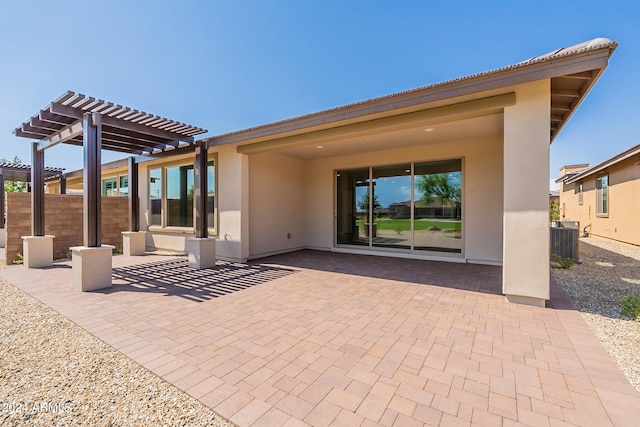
[[19, 259], [631, 307], [559, 262]]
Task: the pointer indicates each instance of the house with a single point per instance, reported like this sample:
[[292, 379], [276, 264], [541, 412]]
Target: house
[[604, 199], [479, 143]]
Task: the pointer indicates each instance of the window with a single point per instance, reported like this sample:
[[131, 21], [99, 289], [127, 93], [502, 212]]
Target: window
[[123, 189], [155, 197], [109, 187], [580, 190], [116, 186], [602, 196], [171, 196]]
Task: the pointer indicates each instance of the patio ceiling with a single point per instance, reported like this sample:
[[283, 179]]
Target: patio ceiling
[[123, 129]]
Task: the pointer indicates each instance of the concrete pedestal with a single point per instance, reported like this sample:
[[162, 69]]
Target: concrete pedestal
[[91, 267], [37, 251], [202, 252], [133, 242]]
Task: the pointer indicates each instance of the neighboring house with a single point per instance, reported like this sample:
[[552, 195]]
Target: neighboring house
[[554, 196], [115, 180], [605, 198], [298, 183]]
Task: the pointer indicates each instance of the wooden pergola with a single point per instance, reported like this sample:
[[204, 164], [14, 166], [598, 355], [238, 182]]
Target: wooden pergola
[[19, 173], [95, 124]]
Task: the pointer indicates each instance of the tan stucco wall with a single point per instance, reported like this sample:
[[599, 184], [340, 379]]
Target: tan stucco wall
[[623, 221], [482, 198], [525, 271], [277, 194]]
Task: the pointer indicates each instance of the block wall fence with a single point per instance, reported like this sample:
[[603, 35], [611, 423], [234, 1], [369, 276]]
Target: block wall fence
[[63, 219]]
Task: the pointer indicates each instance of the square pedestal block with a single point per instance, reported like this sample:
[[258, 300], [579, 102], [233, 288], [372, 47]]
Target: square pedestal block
[[91, 267], [134, 242], [38, 251], [202, 252]]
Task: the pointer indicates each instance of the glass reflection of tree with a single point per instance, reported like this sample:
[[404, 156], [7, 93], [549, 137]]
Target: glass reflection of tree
[[363, 205], [441, 187]]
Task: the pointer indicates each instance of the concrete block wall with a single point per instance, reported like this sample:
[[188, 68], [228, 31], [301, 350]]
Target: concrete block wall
[[63, 219]]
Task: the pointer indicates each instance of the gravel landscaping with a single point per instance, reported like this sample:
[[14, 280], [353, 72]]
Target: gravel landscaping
[[607, 272], [54, 373]]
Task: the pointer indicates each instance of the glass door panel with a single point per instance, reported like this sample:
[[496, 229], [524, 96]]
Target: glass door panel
[[438, 206], [352, 191], [391, 206]]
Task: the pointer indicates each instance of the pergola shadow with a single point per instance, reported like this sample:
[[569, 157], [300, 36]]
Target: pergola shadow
[[176, 278]]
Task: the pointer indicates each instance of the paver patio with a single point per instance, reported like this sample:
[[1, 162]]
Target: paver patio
[[321, 338]]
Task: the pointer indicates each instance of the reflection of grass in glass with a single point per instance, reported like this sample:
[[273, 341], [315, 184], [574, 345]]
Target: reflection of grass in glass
[[405, 224]]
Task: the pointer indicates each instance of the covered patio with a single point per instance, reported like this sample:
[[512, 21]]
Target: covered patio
[[320, 338]]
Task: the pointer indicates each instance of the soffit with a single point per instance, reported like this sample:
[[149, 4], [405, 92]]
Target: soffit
[[421, 134]]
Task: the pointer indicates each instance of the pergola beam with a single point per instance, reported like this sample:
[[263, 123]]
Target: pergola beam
[[72, 131], [65, 110]]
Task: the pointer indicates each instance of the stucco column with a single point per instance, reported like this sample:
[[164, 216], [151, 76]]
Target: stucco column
[[233, 204], [525, 256]]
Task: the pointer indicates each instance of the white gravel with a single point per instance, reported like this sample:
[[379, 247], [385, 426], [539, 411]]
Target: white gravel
[[54, 373], [608, 271]]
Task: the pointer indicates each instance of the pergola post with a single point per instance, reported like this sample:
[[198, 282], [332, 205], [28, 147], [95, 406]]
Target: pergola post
[[202, 250], [134, 206], [91, 262], [200, 191], [134, 240], [37, 191], [92, 127], [37, 248], [63, 184]]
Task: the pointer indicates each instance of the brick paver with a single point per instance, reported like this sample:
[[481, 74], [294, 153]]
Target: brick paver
[[315, 338]]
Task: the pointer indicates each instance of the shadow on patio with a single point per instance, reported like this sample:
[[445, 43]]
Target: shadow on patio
[[471, 277], [175, 278]]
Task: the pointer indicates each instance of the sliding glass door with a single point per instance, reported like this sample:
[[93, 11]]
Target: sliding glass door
[[411, 206]]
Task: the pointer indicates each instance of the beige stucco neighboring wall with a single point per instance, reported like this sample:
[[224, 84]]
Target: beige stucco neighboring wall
[[482, 198], [623, 221], [525, 270], [277, 194]]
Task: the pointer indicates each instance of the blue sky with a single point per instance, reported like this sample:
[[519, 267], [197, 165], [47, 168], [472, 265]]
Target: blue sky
[[229, 65]]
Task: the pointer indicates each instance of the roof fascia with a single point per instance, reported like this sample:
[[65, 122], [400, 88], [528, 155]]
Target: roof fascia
[[607, 163]]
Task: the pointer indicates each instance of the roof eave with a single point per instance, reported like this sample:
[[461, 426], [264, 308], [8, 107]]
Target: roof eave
[[593, 59], [607, 163]]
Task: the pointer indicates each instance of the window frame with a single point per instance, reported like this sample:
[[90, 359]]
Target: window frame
[[163, 227], [580, 193], [602, 197], [412, 251]]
